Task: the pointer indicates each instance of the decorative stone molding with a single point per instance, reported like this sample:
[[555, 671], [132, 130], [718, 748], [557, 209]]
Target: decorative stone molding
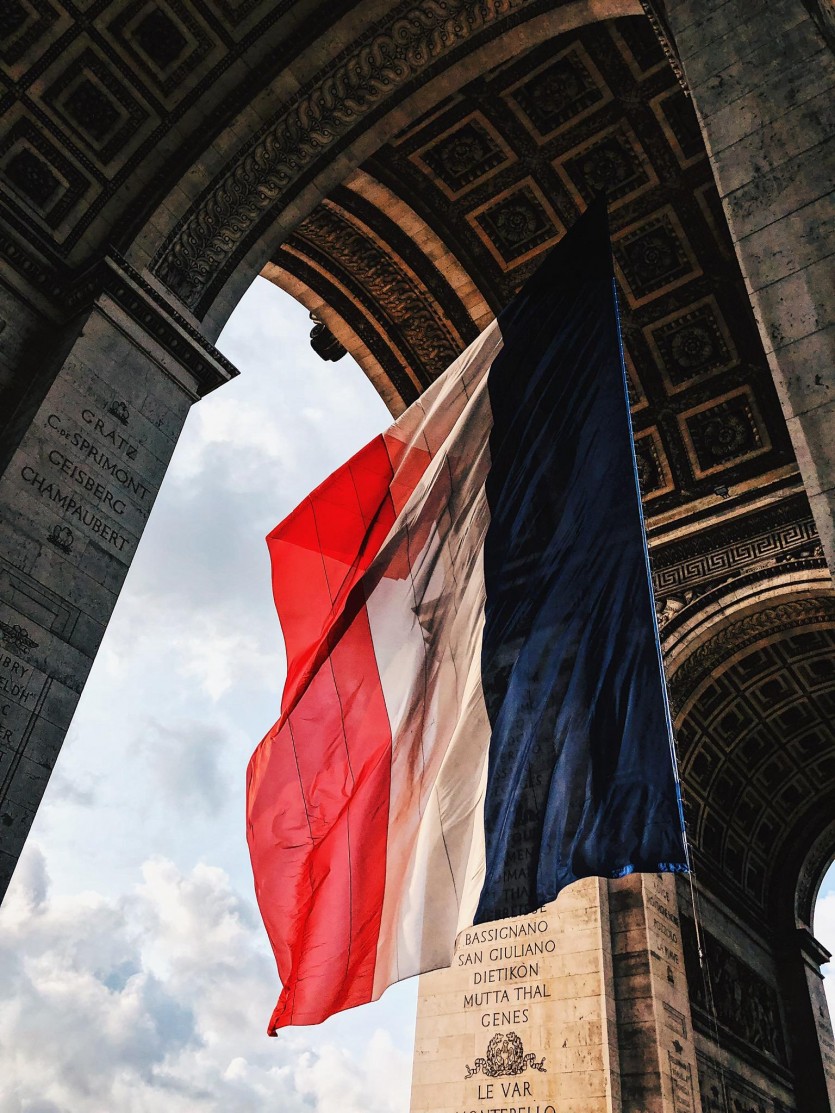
[[741, 1000], [792, 614], [383, 286], [140, 300], [165, 325], [779, 545], [815, 864], [399, 51]]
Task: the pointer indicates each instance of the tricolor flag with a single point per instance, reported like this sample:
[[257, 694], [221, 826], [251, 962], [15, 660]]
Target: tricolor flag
[[474, 714]]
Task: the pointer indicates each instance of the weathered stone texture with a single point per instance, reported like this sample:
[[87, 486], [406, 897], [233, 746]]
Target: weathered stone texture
[[541, 983], [611, 1021], [763, 82], [74, 500], [482, 129]]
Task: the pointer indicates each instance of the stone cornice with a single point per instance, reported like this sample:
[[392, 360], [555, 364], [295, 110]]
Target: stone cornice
[[162, 323]]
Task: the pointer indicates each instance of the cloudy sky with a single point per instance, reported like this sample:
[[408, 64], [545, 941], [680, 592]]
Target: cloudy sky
[[134, 972]]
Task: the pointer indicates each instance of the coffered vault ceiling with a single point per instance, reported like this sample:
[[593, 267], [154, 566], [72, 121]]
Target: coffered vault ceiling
[[497, 173], [107, 104]]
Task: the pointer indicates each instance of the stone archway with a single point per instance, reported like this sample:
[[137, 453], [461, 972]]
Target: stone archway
[[394, 167], [396, 67]]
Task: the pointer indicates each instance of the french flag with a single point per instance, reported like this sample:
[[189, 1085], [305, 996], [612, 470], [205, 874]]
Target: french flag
[[474, 714]]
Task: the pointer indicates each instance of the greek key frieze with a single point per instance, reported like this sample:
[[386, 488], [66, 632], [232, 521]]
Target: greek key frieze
[[777, 543]]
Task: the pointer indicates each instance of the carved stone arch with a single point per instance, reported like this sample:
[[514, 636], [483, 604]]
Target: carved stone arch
[[393, 71], [360, 262], [748, 628], [810, 875], [696, 628], [753, 709], [322, 141]]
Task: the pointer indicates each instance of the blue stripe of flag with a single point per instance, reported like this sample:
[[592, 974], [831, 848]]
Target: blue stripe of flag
[[580, 775]]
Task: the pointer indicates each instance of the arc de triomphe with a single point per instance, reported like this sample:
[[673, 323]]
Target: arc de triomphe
[[400, 168]]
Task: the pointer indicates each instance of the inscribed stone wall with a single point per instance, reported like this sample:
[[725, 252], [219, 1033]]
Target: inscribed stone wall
[[74, 500], [523, 1020], [580, 1008]]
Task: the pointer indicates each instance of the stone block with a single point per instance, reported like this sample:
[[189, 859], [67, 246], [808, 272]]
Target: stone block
[[627, 917], [626, 942], [728, 33], [575, 962], [577, 1084], [587, 1057], [625, 892], [749, 137], [636, 1048], [786, 246], [86, 634], [634, 987], [439, 1004], [41, 748], [636, 1011], [813, 437], [823, 509], [550, 1000], [29, 782], [57, 708], [804, 373], [795, 308], [575, 986], [779, 69], [15, 820], [643, 1094], [783, 190]]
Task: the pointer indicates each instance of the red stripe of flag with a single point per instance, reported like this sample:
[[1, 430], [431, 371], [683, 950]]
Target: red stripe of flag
[[318, 785]]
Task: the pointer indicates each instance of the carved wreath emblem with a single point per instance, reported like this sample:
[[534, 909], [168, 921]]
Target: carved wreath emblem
[[16, 638], [119, 410], [61, 537], [505, 1056]]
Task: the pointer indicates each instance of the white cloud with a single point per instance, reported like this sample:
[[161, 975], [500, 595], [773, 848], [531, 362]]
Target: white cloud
[[239, 433], [185, 759], [219, 656], [140, 983], [65, 788], [157, 1000]]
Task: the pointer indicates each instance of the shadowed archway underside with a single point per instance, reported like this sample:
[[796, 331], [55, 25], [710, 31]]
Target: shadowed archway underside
[[177, 135]]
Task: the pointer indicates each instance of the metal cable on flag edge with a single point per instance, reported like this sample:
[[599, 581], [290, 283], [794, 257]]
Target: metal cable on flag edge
[[667, 714], [707, 981], [704, 965]]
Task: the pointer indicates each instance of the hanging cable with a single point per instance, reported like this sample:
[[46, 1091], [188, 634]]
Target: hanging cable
[[704, 965]]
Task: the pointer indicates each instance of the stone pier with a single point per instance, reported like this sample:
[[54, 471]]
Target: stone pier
[[581, 1007], [74, 499]]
